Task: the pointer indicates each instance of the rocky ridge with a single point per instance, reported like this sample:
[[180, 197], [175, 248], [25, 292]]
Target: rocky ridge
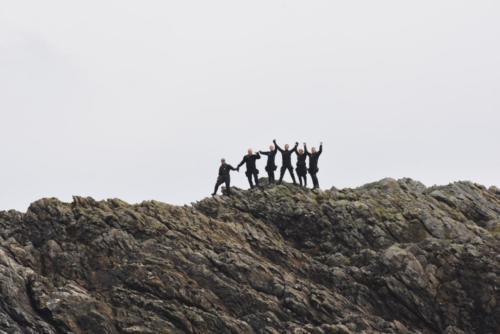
[[390, 257]]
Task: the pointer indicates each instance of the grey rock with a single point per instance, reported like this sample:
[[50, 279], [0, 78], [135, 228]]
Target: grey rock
[[389, 257]]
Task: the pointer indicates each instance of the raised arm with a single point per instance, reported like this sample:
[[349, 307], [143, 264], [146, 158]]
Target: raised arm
[[305, 149], [277, 146], [258, 155], [320, 148], [295, 147]]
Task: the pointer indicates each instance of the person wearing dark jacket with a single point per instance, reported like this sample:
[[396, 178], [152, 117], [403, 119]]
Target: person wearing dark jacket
[[313, 164], [252, 171], [224, 177], [271, 164], [286, 160], [301, 167]]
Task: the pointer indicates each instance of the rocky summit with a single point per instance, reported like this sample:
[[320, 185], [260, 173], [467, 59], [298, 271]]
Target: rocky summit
[[388, 257]]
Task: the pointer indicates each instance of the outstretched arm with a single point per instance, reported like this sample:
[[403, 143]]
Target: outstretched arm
[[295, 147], [265, 153], [242, 162], [277, 146], [258, 155], [232, 168]]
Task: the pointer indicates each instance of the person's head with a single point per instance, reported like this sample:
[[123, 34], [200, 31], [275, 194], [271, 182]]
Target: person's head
[[301, 151], [313, 150], [222, 161], [271, 148], [287, 147], [250, 151]]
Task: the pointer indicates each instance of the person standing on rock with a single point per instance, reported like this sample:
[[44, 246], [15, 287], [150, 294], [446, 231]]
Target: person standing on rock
[[271, 165], [302, 167], [313, 163], [250, 160], [286, 161], [224, 177]]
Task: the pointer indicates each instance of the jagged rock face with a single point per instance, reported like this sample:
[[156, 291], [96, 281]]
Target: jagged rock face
[[389, 257]]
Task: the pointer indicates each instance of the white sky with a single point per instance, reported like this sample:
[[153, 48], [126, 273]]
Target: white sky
[[140, 99]]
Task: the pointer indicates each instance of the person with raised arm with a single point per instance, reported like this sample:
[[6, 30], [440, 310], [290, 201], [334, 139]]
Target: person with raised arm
[[286, 161], [250, 160], [271, 164], [301, 166], [313, 163], [224, 177]]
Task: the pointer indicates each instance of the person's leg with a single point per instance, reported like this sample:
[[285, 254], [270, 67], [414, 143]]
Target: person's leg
[[282, 173], [290, 169], [300, 178], [270, 175], [217, 185], [315, 180], [256, 177], [305, 180], [228, 186], [250, 182]]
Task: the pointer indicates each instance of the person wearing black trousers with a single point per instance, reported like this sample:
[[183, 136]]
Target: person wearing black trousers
[[224, 177], [302, 167], [271, 165], [313, 164], [252, 171], [286, 161]]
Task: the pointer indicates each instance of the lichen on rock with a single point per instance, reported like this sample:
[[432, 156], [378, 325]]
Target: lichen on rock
[[390, 257]]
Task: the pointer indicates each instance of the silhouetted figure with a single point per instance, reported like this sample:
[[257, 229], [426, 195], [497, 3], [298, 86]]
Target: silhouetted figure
[[302, 167], [313, 163], [252, 171], [224, 177], [271, 165], [286, 161]]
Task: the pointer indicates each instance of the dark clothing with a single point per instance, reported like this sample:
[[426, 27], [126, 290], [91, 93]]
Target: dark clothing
[[271, 165], [313, 165], [224, 170], [302, 169], [250, 160], [271, 158], [282, 174], [303, 180], [224, 177], [221, 180], [314, 178], [270, 174], [252, 171], [313, 159], [286, 162], [286, 155], [301, 164], [255, 175]]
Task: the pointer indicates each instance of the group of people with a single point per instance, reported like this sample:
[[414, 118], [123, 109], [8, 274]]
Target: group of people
[[252, 173]]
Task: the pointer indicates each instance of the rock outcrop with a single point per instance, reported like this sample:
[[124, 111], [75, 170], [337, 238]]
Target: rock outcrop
[[388, 257]]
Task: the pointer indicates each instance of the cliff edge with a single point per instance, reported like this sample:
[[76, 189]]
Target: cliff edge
[[390, 257]]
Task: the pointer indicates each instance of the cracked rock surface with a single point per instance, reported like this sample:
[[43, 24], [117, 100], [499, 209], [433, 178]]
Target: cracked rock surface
[[390, 257]]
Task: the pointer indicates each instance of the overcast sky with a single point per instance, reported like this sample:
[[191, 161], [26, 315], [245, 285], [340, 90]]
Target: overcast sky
[[140, 99]]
